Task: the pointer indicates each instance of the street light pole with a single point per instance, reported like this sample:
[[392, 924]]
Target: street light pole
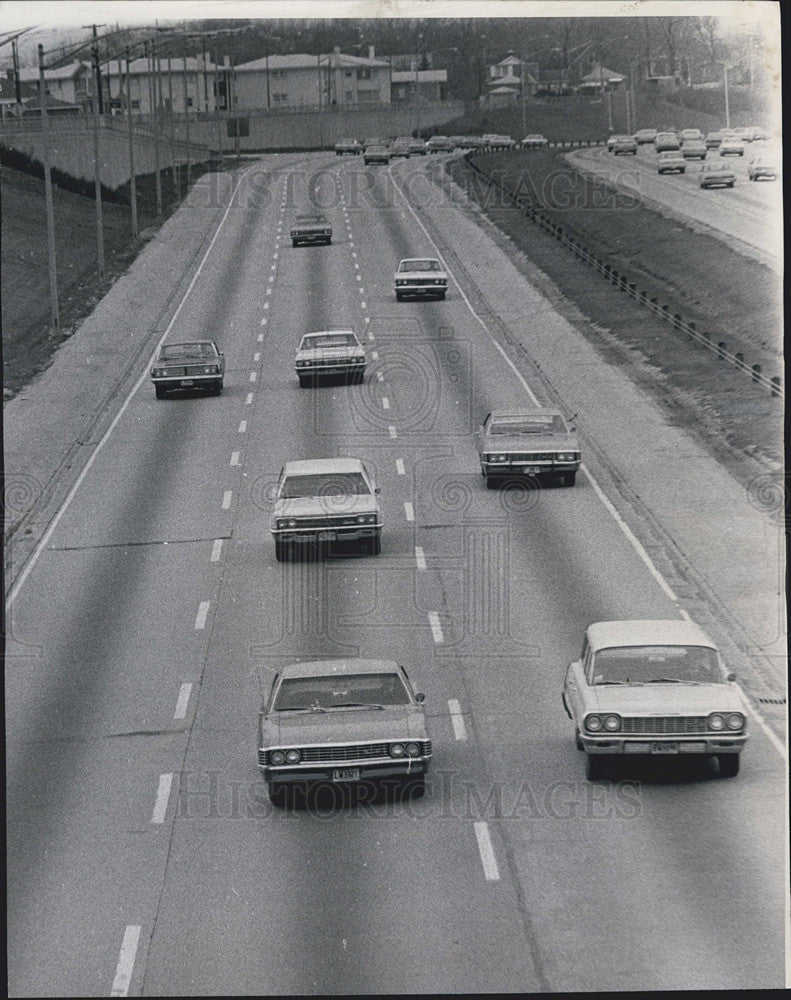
[[266, 57], [53, 273], [727, 105], [132, 180]]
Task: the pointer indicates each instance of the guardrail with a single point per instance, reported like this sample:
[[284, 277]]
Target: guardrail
[[601, 264]]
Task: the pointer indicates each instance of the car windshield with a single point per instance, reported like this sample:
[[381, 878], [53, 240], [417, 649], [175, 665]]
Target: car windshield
[[309, 220], [550, 424], [658, 664], [419, 265], [300, 693], [312, 340], [170, 351], [341, 484]]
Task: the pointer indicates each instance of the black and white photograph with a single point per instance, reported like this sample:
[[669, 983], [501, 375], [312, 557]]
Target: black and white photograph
[[395, 510]]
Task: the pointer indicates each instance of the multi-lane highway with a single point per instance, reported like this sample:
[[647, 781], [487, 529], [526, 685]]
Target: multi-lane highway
[[143, 853]]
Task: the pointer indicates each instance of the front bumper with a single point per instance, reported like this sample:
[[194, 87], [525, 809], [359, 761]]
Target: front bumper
[[528, 468], [344, 368], [340, 533], [185, 381], [421, 289], [704, 743], [311, 237], [414, 767]]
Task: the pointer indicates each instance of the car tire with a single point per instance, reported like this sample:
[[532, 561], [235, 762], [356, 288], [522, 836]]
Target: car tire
[[305, 383], [160, 391], [568, 478], [278, 795], [595, 767], [295, 243], [728, 764], [578, 741], [216, 389], [399, 297], [413, 788], [731, 184], [492, 482], [375, 545], [441, 295], [281, 550]]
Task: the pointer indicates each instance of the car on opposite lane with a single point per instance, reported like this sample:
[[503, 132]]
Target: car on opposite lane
[[420, 277], [348, 146], [533, 442], [342, 722], [376, 154], [671, 163], [400, 147], [322, 501], [334, 353], [624, 144], [731, 145], [534, 141], [666, 141], [645, 135], [693, 149], [713, 139], [653, 688], [439, 144], [690, 135], [195, 364], [761, 169], [310, 229], [612, 139], [716, 175], [417, 147]]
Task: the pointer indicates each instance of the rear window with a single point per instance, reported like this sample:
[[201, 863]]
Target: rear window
[[199, 351], [345, 484], [419, 265], [328, 340]]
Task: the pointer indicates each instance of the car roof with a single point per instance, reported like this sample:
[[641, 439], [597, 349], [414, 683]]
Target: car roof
[[647, 632], [534, 411], [342, 667], [188, 343], [409, 260], [322, 333], [316, 466]]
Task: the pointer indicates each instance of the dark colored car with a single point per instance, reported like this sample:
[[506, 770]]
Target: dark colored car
[[310, 229], [196, 364]]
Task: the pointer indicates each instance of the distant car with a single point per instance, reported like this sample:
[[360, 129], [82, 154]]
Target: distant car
[[744, 132], [375, 141], [493, 140], [329, 352], [690, 135], [713, 139], [624, 144], [472, 142], [323, 501], [310, 229], [439, 144], [341, 722], [694, 149], [457, 140], [732, 145], [417, 147], [654, 688], [665, 141], [611, 141], [376, 154], [400, 148], [716, 175], [671, 163], [759, 169], [421, 277], [644, 135], [534, 141], [348, 146], [195, 364], [535, 442], [759, 134]]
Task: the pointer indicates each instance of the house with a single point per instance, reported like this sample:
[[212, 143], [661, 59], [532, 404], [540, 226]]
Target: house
[[8, 93], [181, 83], [70, 84], [509, 75], [600, 78], [428, 84]]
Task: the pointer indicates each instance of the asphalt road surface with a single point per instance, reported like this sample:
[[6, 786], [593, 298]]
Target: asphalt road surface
[[143, 854]]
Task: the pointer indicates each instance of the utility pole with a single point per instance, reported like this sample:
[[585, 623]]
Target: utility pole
[[97, 71], [727, 105], [266, 63], [187, 119], [53, 273], [17, 84], [97, 183], [173, 158], [522, 74], [132, 180]]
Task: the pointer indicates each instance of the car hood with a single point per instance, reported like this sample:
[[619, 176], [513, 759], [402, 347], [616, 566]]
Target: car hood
[[530, 442], [428, 275], [321, 353], [664, 699], [326, 506], [185, 359], [394, 722], [719, 171]]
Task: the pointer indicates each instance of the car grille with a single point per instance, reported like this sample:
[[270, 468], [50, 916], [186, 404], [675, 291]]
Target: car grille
[[436, 282], [326, 362], [345, 753], [332, 522], [665, 725], [181, 370]]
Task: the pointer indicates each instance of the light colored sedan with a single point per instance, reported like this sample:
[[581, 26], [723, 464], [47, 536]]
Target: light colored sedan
[[666, 140], [732, 145], [693, 149], [532, 443], [690, 135], [624, 144], [759, 169], [645, 135], [420, 277], [329, 353], [716, 175], [534, 141], [654, 688], [671, 163]]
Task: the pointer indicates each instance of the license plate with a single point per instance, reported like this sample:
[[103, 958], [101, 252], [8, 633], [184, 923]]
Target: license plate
[[346, 774], [664, 748], [186, 381], [325, 536]]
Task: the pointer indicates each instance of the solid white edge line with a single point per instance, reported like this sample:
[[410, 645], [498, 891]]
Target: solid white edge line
[[436, 628], [485, 849], [216, 549], [456, 719], [182, 702], [41, 544], [226, 499], [200, 618], [126, 961], [409, 511], [163, 795], [773, 739], [420, 557]]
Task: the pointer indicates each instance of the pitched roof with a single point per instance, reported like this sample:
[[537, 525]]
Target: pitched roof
[[302, 60], [599, 73], [31, 74]]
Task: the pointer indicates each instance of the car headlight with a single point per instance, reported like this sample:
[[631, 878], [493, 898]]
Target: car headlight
[[716, 721], [280, 522], [156, 372], [500, 458], [593, 723], [612, 723], [277, 757], [735, 721], [164, 371], [400, 281], [291, 523], [396, 749], [293, 756], [361, 518], [412, 750], [359, 361], [300, 364]]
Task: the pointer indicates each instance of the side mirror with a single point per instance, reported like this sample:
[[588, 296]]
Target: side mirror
[[419, 697], [377, 490], [731, 676]]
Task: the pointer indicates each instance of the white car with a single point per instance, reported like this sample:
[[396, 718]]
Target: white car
[[330, 352], [420, 277]]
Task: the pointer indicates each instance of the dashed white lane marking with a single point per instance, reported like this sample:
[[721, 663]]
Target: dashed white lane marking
[[375, 355], [490, 869], [260, 338], [163, 794], [249, 399], [409, 511], [393, 433], [275, 256], [257, 356], [385, 403], [436, 628], [182, 701], [380, 376], [200, 618], [234, 458], [456, 719], [363, 303], [400, 466], [269, 291], [242, 426], [370, 335], [684, 615], [354, 254], [216, 549], [420, 557], [358, 276], [271, 279], [263, 323], [266, 305], [253, 376], [273, 267], [367, 319], [126, 961], [226, 499]]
